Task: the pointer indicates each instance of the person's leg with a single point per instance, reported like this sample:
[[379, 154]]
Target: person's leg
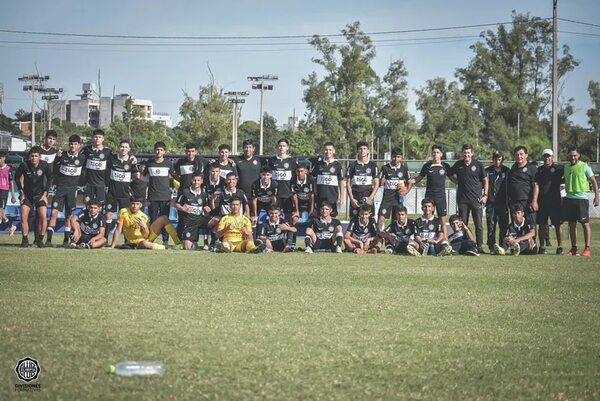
[[42, 223], [477, 213], [158, 225], [573, 234], [98, 243], [587, 234], [463, 212], [25, 210], [491, 220]]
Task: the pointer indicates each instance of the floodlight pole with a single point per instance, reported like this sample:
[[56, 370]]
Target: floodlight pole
[[262, 87], [234, 98], [554, 78], [36, 81]]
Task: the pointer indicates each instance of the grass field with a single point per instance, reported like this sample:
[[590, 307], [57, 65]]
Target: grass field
[[297, 326]]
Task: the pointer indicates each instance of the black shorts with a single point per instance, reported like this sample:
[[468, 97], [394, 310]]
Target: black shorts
[[3, 198], [85, 238], [359, 196], [191, 227], [34, 203], [400, 249], [576, 210], [159, 208], [114, 204], [287, 205], [64, 198], [278, 246], [95, 193], [549, 211], [325, 244], [441, 206]]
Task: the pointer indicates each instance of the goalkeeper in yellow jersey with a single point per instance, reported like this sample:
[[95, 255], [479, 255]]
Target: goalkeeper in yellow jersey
[[133, 223], [235, 230]]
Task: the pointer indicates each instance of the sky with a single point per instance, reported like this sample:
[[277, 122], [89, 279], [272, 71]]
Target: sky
[[164, 73]]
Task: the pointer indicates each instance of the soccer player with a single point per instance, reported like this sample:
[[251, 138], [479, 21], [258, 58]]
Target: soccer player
[[435, 171], [283, 167], [138, 187], [325, 232], [68, 167], [193, 205], [496, 208], [520, 237], [461, 237], [235, 230], [471, 192], [248, 167], [33, 178], [399, 235], [263, 196], [396, 184], [160, 172], [88, 227], [362, 179], [330, 183], [225, 163], [578, 176], [222, 202], [429, 235], [96, 171], [133, 223], [303, 188], [361, 234], [186, 167], [274, 231], [521, 182], [48, 154], [121, 167], [547, 200], [7, 187]]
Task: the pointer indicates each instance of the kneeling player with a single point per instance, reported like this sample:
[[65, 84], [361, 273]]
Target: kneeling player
[[274, 232], [325, 232], [520, 237], [235, 230], [399, 236], [88, 227], [461, 238], [134, 224], [361, 235], [429, 233], [193, 207]]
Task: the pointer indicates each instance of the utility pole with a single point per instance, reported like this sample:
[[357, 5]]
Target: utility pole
[[234, 98], [260, 85], [50, 94], [554, 77], [1, 98], [35, 82]]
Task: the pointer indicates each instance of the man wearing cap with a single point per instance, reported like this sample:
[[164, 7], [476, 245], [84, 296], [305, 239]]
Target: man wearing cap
[[578, 176], [521, 182], [496, 207], [547, 200]]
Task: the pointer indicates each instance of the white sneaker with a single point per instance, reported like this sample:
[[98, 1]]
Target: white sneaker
[[338, 249], [447, 251], [412, 250], [308, 250], [499, 250], [515, 250]]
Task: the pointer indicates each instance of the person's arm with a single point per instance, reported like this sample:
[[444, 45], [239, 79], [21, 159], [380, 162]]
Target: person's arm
[[592, 179], [223, 229], [530, 234], [486, 188], [286, 227], [536, 194], [374, 191], [117, 234], [467, 232], [342, 185], [100, 234], [353, 201], [76, 228], [254, 210], [11, 188], [295, 201]]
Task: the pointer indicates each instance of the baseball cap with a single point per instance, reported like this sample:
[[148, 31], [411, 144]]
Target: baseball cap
[[548, 152]]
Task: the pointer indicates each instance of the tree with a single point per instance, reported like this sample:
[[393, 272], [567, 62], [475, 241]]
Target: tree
[[594, 113]]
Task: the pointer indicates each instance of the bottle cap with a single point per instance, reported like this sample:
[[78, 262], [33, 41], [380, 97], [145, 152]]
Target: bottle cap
[[112, 369]]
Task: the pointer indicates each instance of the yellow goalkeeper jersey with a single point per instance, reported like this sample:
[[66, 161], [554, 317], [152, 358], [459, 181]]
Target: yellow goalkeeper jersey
[[238, 222], [131, 229]]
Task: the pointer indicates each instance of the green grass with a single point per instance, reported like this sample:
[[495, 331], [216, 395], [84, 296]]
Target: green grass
[[316, 327]]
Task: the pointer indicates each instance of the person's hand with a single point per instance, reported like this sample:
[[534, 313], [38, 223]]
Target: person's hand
[[534, 206], [44, 198], [254, 220], [354, 202], [483, 199], [13, 198], [596, 201], [369, 200], [412, 181]]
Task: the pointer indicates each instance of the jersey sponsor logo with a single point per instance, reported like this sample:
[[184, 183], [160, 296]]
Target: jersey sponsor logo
[[327, 180], [96, 164], [195, 210], [282, 175], [186, 169], [391, 184], [49, 158], [473, 168], [223, 173], [120, 176], [70, 171], [158, 171], [362, 180]]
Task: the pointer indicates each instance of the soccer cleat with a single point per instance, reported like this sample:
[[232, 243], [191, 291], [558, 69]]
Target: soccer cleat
[[559, 250], [586, 252], [288, 249], [480, 250], [260, 248], [499, 250], [338, 249], [471, 252], [412, 250], [447, 251], [66, 244], [48, 244], [542, 251], [573, 252], [220, 248], [39, 244], [308, 250], [24, 243], [515, 249], [72, 245], [389, 251]]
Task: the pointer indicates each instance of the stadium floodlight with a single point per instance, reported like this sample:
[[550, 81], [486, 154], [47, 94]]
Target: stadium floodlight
[[35, 82], [262, 87]]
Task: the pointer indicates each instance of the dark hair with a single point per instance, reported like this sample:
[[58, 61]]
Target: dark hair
[[273, 207], [125, 141], [224, 146], [136, 199], [396, 152], [214, 166], [265, 169], [365, 208], [2, 153], [35, 149], [190, 145], [75, 138], [402, 209], [231, 174], [361, 143], [328, 144], [517, 208], [98, 131], [94, 202], [520, 147], [160, 144], [467, 146], [573, 148], [454, 218], [235, 198], [328, 204], [283, 140], [427, 200], [198, 174], [247, 142], [51, 133], [301, 165], [436, 146]]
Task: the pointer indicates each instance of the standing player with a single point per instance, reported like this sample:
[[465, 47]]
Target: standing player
[[578, 176], [121, 167], [96, 171], [184, 170], [7, 187], [33, 178], [395, 183], [496, 209], [160, 172], [399, 235], [362, 179], [461, 238], [471, 192], [48, 154], [428, 232], [547, 200], [263, 196], [435, 171], [274, 232], [235, 230], [520, 237], [248, 167], [225, 163], [282, 168], [361, 234], [325, 232], [88, 227], [194, 208], [521, 182], [330, 183], [67, 173]]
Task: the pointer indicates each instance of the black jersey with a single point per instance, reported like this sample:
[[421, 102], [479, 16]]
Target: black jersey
[[469, 181], [303, 190], [498, 194], [195, 201], [90, 225], [120, 176], [360, 231], [519, 230], [549, 180], [214, 187], [324, 229], [427, 229], [37, 180], [248, 172], [328, 176], [272, 231], [456, 236], [520, 183], [138, 188], [283, 171], [227, 168], [436, 178], [264, 194], [68, 169], [362, 176], [393, 176], [159, 188], [48, 155], [96, 166], [185, 169], [404, 232], [224, 199]]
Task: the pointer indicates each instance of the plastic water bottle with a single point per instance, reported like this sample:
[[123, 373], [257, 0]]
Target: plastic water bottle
[[137, 368]]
